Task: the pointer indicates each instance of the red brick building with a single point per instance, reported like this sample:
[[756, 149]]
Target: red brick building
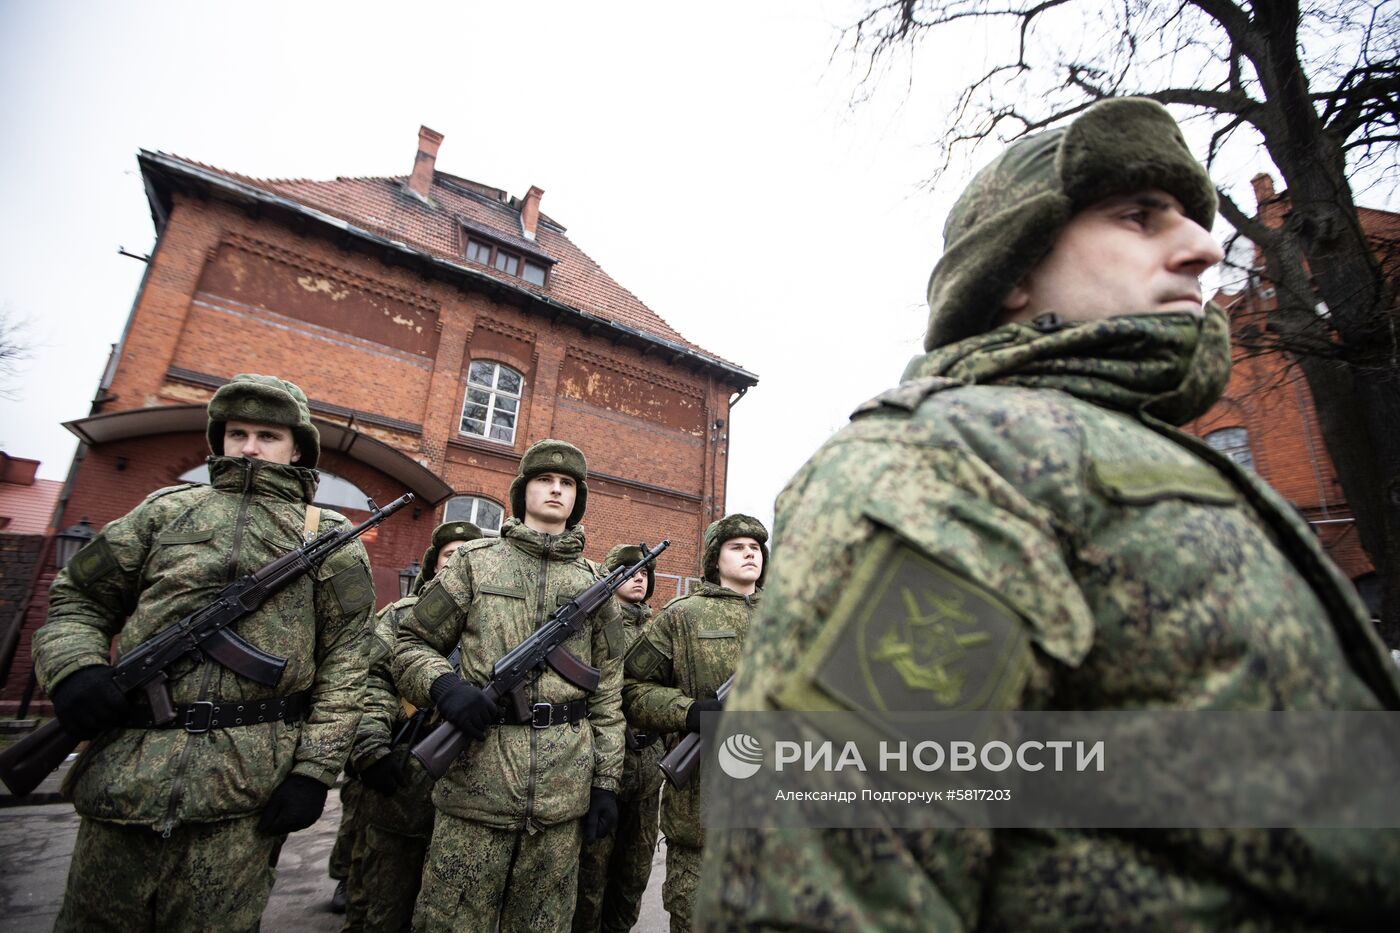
[[439, 327], [1267, 419]]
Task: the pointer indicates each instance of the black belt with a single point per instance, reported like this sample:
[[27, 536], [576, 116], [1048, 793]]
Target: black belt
[[224, 714], [552, 714]]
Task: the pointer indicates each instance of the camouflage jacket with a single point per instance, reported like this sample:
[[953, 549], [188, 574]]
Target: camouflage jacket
[[1112, 562], [687, 652], [640, 775], [166, 558], [491, 597]]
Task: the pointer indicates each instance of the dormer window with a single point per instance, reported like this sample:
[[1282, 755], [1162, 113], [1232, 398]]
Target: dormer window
[[486, 253]]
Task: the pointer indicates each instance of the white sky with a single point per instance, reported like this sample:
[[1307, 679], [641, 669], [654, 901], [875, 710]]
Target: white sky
[[708, 156]]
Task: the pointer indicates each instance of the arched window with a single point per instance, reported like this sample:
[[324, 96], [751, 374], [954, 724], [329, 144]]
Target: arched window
[[1233, 443], [483, 513], [492, 401], [332, 492]]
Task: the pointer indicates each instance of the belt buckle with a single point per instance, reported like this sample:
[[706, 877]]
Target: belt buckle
[[199, 717], [535, 721]]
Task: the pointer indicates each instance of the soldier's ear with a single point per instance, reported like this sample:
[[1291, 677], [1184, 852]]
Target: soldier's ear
[[296, 453], [1017, 298]]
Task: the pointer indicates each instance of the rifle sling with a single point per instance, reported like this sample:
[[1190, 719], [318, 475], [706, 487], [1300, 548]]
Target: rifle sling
[[226, 714]]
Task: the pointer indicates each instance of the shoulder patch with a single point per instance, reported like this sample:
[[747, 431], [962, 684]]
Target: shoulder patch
[[643, 659], [353, 588], [434, 607], [908, 635], [907, 396], [92, 563]]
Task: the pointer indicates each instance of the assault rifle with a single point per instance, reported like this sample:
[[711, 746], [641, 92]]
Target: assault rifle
[[544, 647], [679, 763], [206, 631]]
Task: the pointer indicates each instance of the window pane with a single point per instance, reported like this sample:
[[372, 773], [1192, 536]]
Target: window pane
[[472, 410], [488, 515], [479, 396], [481, 373], [506, 403], [510, 381], [478, 252], [534, 274], [503, 419], [458, 509], [473, 426], [507, 263], [500, 433]]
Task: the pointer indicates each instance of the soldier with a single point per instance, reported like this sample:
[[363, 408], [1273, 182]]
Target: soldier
[[674, 669], [614, 870], [514, 806], [182, 823], [396, 810], [1028, 468]]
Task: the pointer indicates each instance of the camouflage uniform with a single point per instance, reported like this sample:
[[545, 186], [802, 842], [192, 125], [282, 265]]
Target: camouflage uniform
[[1032, 472], [393, 830], [167, 837], [687, 653], [509, 808], [614, 870]]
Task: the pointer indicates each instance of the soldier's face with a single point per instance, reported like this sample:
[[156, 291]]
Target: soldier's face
[[1132, 254], [270, 442], [549, 500], [635, 589], [445, 555], [740, 562]]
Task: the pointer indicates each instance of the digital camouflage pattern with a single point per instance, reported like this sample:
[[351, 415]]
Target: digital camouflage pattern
[[349, 831], [206, 876], [464, 887], [687, 653], [393, 832], [492, 596], [166, 558], [614, 870], [1031, 478]]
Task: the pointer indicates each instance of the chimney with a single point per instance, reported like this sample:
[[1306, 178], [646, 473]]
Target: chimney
[[1263, 190], [422, 177], [530, 212]]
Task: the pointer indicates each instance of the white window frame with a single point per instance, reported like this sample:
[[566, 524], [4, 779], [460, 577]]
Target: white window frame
[[473, 513], [494, 392]]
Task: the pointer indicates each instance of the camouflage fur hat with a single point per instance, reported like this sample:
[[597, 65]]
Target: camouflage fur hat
[[264, 400], [731, 526], [1009, 217], [551, 456], [444, 535], [626, 555]]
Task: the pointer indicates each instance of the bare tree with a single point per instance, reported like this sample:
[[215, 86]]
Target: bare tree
[[15, 348], [1316, 83]]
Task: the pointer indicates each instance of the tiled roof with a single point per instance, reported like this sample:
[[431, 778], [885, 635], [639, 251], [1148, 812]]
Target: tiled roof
[[385, 207], [28, 508]]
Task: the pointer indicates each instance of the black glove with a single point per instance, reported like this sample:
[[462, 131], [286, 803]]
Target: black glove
[[295, 804], [463, 705], [692, 715], [385, 775], [601, 817], [87, 702]]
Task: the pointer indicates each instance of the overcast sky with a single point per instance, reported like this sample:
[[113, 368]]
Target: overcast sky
[[708, 156]]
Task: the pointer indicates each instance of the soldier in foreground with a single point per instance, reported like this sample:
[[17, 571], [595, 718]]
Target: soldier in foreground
[[674, 669], [614, 870], [515, 806], [182, 825], [396, 809], [1028, 467]]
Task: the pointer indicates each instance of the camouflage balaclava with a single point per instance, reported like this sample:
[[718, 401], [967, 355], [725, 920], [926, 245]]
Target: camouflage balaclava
[[551, 456], [624, 555], [264, 400], [731, 526], [1009, 217], [444, 535]]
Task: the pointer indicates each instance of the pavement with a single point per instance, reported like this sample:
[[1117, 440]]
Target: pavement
[[36, 841]]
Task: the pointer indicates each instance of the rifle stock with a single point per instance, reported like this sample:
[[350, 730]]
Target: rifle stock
[[679, 763], [206, 630]]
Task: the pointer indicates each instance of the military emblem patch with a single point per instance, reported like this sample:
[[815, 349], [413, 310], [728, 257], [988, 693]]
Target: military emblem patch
[[92, 563], [910, 636], [434, 607], [643, 659], [353, 589]]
